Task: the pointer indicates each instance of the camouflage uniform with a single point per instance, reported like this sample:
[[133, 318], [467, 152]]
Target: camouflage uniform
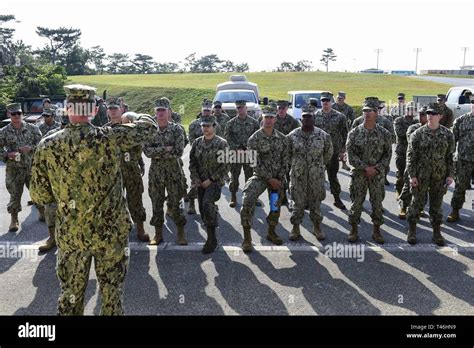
[[309, 153], [400, 109], [272, 162], [286, 124], [44, 128], [401, 125], [18, 170], [166, 172], [101, 118], [79, 168], [237, 133], [346, 110], [222, 120], [463, 131], [176, 117], [430, 160], [335, 124], [447, 116], [368, 147]]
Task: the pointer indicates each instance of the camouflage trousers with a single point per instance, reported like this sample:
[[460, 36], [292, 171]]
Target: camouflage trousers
[[254, 187], [158, 182], [464, 173], [73, 268], [50, 214], [435, 189], [404, 199], [358, 188], [207, 198], [305, 191], [333, 168], [15, 180], [133, 184], [400, 163], [235, 170]]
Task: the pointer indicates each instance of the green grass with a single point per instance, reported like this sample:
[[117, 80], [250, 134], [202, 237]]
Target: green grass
[[187, 90]]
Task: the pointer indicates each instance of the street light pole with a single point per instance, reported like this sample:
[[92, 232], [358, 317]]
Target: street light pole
[[417, 50]]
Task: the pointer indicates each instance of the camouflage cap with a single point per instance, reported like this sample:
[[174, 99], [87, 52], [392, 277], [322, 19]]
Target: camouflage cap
[[113, 102], [313, 101], [381, 104], [441, 96], [206, 104], [14, 107], [401, 95], [162, 103], [372, 99], [341, 94], [325, 96], [307, 110], [282, 103], [240, 103], [80, 93], [269, 110], [217, 103], [47, 112], [211, 119], [423, 109], [411, 105], [433, 108], [371, 105]]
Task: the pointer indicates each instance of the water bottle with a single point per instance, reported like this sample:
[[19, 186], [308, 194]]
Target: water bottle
[[273, 200]]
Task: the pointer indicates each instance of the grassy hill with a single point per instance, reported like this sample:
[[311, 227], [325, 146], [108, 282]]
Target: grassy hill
[[187, 90]]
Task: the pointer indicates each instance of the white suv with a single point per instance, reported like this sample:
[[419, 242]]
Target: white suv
[[299, 98], [238, 88]]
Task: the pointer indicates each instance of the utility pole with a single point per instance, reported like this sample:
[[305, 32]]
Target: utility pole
[[417, 50], [378, 51], [465, 49]]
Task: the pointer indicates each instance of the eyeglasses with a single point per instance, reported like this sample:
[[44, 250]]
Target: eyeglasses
[[15, 113]]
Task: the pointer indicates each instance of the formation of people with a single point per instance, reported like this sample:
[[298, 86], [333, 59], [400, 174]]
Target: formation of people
[[77, 173]]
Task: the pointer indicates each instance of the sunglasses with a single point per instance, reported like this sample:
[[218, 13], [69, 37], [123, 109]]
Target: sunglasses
[[47, 115], [325, 100], [15, 113], [205, 125], [217, 107]]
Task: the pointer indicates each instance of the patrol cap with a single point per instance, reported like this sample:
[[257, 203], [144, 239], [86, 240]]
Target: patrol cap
[[422, 110], [79, 93], [433, 108], [46, 100], [441, 97], [372, 99], [14, 107], [341, 94], [313, 102], [47, 112], [371, 105], [240, 103], [206, 105], [282, 103], [208, 120], [381, 104], [401, 95], [326, 96], [268, 110], [307, 110], [162, 103], [113, 102], [217, 103]]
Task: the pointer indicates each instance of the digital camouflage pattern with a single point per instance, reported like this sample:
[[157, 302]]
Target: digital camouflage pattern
[[368, 147], [430, 160], [309, 153], [204, 164], [18, 170], [44, 128], [286, 124], [237, 133], [382, 121], [176, 117], [346, 110], [79, 169], [272, 162], [401, 125], [463, 131], [447, 116], [166, 173]]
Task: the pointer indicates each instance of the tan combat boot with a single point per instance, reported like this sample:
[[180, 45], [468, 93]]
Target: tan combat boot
[[295, 233], [272, 236], [14, 224], [454, 216], [353, 236], [41, 213], [437, 237], [211, 242], [181, 240], [402, 214], [233, 200], [158, 235], [376, 236], [50, 242], [411, 238], [191, 208], [318, 233], [247, 243], [141, 235]]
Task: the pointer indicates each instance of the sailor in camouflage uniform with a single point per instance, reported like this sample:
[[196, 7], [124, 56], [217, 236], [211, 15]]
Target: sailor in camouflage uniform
[[400, 109], [335, 124], [79, 169], [463, 131], [221, 117], [447, 115], [269, 174], [369, 150], [208, 170], [166, 173], [18, 141], [310, 149], [431, 170], [132, 168], [341, 106], [237, 132]]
